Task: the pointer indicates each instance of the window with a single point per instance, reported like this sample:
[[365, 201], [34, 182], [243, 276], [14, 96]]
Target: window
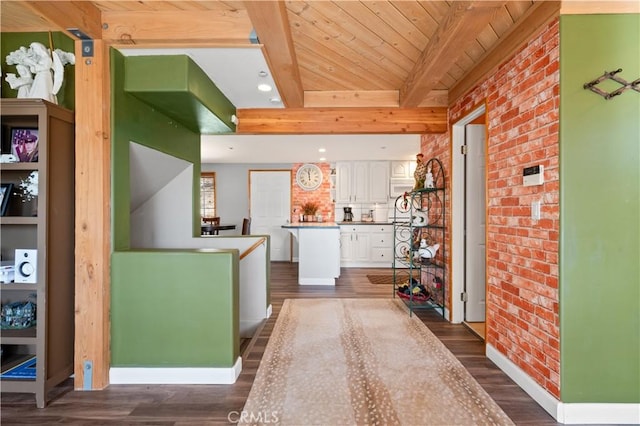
[[208, 194]]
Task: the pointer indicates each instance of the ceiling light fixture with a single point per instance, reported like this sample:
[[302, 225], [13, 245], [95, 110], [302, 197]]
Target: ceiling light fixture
[[275, 100], [322, 159], [263, 74], [264, 87], [322, 150]]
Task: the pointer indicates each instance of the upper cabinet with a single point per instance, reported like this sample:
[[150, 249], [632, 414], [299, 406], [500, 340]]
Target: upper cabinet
[[362, 182], [379, 182], [402, 169]]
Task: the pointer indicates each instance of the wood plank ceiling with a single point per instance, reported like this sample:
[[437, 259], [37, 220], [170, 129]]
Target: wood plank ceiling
[[321, 53]]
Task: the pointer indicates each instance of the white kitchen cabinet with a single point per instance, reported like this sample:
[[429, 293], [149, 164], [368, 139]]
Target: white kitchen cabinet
[[354, 243], [379, 181], [362, 181], [343, 182], [366, 245], [382, 244], [402, 169]]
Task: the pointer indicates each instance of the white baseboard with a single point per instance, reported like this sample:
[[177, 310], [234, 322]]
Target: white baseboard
[[566, 413], [598, 413], [317, 281], [248, 327], [535, 391], [175, 376]]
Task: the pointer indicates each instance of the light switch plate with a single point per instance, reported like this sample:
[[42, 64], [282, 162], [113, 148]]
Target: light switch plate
[[535, 210]]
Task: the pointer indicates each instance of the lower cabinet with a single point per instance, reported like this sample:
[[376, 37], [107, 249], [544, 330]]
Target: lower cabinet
[[354, 244], [366, 246], [382, 245]]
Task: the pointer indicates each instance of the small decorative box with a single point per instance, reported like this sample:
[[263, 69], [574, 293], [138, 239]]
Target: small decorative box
[[7, 274]]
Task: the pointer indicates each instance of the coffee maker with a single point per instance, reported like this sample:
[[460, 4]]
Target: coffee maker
[[348, 214]]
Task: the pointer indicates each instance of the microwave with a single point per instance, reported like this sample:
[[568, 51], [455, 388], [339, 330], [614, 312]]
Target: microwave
[[398, 186]]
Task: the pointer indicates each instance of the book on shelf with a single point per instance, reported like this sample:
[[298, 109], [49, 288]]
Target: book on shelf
[[24, 370]]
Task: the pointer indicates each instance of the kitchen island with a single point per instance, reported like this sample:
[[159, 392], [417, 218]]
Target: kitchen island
[[318, 252]]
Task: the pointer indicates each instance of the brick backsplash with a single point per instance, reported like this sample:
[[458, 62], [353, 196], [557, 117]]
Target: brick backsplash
[[322, 195], [522, 102]]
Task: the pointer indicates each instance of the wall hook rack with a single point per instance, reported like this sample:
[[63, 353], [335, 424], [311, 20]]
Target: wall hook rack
[[611, 75]]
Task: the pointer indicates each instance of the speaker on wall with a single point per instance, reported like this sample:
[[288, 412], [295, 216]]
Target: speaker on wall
[[26, 266]]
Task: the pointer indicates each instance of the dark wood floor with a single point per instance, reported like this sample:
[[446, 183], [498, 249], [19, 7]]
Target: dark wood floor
[[211, 404]]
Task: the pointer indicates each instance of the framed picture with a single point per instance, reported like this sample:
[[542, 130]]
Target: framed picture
[[24, 144], [5, 193]]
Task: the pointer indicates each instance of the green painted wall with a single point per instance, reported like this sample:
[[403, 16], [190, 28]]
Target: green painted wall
[[134, 120], [168, 308], [182, 91], [600, 212], [174, 309], [13, 41]]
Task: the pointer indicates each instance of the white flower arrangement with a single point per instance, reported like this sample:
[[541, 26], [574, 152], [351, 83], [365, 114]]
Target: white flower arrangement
[[29, 187]]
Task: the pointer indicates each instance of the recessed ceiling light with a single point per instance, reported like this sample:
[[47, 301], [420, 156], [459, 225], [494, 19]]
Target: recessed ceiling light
[[275, 100], [322, 159], [322, 150], [264, 87], [263, 74]]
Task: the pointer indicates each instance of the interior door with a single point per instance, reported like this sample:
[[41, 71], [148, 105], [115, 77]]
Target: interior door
[[475, 224], [269, 204]]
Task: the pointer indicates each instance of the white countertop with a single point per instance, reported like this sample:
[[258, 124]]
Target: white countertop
[[297, 225], [358, 222]]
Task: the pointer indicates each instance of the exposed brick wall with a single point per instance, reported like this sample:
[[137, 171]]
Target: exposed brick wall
[[522, 99], [437, 146], [322, 195]]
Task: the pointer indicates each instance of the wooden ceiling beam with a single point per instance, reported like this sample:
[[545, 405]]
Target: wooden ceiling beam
[[350, 98], [457, 29], [367, 98], [341, 120], [83, 15], [538, 15], [270, 21], [177, 28], [599, 7]]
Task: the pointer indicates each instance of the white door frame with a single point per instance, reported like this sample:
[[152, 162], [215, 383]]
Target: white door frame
[[457, 212]]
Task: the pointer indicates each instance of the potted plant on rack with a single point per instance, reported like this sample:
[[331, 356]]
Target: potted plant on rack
[[309, 210]]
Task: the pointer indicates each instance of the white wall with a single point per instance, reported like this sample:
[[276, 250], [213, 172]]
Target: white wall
[[232, 190], [166, 216]]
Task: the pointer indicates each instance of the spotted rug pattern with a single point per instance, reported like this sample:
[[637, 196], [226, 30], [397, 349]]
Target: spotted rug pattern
[[362, 361]]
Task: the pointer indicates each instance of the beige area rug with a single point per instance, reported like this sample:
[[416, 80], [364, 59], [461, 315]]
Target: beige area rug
[[362, 361]]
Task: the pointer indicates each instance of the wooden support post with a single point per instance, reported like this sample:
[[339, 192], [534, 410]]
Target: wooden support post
[[93, 220]]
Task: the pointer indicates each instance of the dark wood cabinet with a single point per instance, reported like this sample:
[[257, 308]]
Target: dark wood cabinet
[[45, 226]]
